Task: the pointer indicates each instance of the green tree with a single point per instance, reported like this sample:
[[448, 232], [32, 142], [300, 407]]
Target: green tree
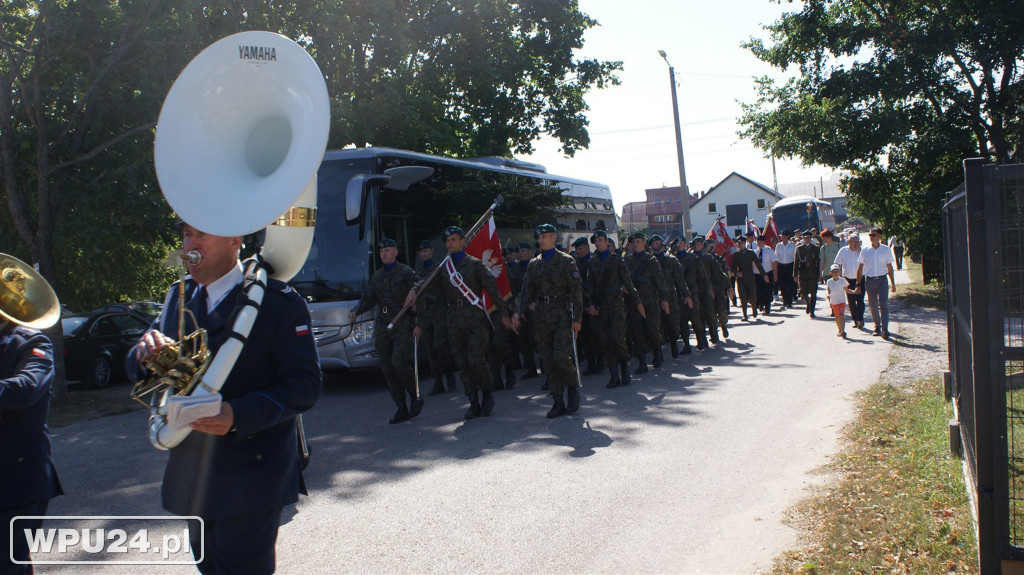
[[898, 92]]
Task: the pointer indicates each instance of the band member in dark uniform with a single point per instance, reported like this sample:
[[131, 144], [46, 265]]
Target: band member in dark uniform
[[238, 469], [28, 478]]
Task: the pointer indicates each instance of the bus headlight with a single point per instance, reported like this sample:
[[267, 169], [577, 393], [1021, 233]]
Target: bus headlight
[[362, 332]]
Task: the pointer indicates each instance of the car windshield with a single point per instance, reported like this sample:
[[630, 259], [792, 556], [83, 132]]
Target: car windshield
[[70, 325], [146, 308]]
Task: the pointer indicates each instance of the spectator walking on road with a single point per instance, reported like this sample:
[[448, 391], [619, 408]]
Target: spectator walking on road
[[875, 264], [847, 258], [836, 288], [896, 245], [827, 254]]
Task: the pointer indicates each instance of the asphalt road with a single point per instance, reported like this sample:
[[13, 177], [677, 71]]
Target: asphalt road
[[688, 470]]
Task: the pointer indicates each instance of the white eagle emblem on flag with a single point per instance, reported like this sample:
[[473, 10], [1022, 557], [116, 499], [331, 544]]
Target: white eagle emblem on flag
[[492, 262]]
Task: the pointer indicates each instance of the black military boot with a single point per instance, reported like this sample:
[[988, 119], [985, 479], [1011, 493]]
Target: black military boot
[[572, 405], [474, 407], [487, 406], [713, 335], [614, 380], [673, 346], [510, 377], [438, 385], [496, 378], [624, 371], [744, 312], [546, 386], [642, 359], [453, 383], [702, 340], [558, 408], [415, 405], [725, 332], [659, 357], [403, 412], [687, 349]]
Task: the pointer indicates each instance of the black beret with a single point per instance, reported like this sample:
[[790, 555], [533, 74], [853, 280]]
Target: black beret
[[386, 243], [426, 244], [544, 229], [524, 246], [599, 234], [581, 241], [656, 238], [451, 231]]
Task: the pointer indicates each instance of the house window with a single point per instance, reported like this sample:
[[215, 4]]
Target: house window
[[581, 225], [762, 204], [712, 208], [600, 225]]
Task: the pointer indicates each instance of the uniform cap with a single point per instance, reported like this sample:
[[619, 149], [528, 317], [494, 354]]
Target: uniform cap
[[807, 233], [598, 234], [451, 231], [543, 229], [426, 244], [524, 246], [787, 232], [697, 238], [656, 238], [637, 236], [581, 241], [386, 243]]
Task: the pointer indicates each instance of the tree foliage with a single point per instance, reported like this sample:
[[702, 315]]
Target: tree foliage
[[898, 92]]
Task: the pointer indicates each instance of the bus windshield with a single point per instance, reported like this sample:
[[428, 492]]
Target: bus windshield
[[340, 262]]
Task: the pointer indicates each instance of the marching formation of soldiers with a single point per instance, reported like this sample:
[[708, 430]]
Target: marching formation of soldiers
[[600, 306]]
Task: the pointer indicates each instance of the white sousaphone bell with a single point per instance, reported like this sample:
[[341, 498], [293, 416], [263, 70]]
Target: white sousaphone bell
[[240, 137]]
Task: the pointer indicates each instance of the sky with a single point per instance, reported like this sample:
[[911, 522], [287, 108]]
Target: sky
[[633, 145]]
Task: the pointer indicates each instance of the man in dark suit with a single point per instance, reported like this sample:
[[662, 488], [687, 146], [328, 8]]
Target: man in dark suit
[[28, 478], [238, 469]]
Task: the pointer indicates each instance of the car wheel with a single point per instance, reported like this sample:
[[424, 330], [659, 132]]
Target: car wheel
[[100, 372]]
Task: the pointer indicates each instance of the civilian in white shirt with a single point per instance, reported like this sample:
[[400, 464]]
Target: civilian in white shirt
[[770, 263], [848, 260], [875, 264], [785, 252]]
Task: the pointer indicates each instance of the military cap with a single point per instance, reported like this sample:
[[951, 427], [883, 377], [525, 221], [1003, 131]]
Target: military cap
[[611, 242], [656, 238], [807, 233], [386, 243], [697, 238], [637, 236], [524, 246], [580, 241], [451, 231], [426, 244], [560, 247], [543, 229], [787, 232], [598, 234]]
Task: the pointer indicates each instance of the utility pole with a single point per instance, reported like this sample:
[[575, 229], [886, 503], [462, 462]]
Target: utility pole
[[683, 192]]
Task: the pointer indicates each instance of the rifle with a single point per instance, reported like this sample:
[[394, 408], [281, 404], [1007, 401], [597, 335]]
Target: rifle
[[469, 238]]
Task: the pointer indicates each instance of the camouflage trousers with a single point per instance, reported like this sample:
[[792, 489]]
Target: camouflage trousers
[[554, 341], [395, 350], [611, 327], [646, 332], [469, 334]]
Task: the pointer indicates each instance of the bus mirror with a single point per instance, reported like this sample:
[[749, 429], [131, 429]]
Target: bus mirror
[[404, 176], [355, 193]]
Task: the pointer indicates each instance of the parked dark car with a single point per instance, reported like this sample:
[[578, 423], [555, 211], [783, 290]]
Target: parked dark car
[[147, 309], [95, 345]]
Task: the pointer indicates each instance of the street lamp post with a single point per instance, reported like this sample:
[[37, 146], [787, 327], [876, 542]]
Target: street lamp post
[[683, 191]]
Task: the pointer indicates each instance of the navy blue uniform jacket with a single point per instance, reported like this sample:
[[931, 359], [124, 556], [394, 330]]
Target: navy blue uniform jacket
[[27, 474], [277, 376]]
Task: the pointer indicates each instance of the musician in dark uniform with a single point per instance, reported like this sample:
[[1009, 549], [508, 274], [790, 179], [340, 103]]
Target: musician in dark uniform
[[238, 469], [387, 290], [28, 478], [430, 311], [465, 279], [552, 290]]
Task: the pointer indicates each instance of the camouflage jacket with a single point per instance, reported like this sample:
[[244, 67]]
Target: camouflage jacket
[[647, 277], [673, 271], [554, 285], [387, 291], [607, 281]]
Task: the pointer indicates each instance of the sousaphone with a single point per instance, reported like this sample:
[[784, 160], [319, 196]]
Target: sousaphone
[[25, 297], [239, 139]]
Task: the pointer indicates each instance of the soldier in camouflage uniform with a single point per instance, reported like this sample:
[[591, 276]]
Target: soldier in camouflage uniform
[[650, 284], [697, 283], [743, 263], [387, 289], [430, 312], [721, 285], [707, 289], [678, 290], [465, 279], [552, 290], [524, 339], [588, 346], [608, 281], [805, 270]]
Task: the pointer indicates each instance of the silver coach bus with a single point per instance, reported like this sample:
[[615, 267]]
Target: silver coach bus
[[365, 194]]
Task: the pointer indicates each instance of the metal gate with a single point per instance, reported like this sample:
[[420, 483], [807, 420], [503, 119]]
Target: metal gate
[[983, 232]]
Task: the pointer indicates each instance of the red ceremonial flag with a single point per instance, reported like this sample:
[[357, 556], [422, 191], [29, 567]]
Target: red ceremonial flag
[[723, 243], [771, 233], [487, 247]]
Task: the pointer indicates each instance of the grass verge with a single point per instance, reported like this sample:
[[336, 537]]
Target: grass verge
[[917, 294], [899, 505]]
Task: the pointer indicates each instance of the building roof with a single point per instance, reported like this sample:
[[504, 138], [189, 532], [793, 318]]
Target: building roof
[[758, 186]]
